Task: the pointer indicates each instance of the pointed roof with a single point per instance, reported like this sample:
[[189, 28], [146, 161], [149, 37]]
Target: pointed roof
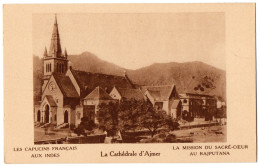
[[92, 80], [130, 93], [65, 53], [98, 94], [45, 54], [159, 93], [127, 78], [66, 86], [55, 47]]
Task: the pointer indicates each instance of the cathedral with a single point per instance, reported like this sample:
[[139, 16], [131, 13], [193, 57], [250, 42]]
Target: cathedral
[[68, 94]]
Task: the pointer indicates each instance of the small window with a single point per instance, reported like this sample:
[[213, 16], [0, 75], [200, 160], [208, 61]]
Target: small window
[[184, 101], [55, 117], [50, 67]]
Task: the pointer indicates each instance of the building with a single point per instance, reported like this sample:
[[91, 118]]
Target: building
[[68, 94], [93, 100], [164, 97], [126, 94], [198, 105]]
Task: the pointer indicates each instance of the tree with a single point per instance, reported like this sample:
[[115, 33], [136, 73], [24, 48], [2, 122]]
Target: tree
[[152, 119], [85, 124], [129, 113], [108, 117], [172, 123]]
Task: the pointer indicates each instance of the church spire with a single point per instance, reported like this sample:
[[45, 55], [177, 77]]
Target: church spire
[[55, 47]]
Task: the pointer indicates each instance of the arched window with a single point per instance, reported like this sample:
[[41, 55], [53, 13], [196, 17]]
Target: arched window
[[46, 67], [50, 67], [57, 67]]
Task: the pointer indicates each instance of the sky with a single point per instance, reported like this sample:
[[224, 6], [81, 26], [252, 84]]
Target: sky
[[135, 40]]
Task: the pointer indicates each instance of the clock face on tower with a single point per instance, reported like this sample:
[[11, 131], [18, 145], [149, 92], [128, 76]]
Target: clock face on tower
[[52, 86]]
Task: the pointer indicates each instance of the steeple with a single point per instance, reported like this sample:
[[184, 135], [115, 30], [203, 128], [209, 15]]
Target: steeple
[[45, 54], [55, 47]]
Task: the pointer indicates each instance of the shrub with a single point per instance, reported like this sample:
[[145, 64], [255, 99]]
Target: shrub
[[79, 130], [72, 126], [170, 138]]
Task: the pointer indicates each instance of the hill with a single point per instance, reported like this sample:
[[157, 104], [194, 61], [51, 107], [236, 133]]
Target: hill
[[195, 77]]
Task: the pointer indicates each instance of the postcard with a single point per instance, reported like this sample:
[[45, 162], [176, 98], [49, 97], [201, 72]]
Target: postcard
[[129, 83]]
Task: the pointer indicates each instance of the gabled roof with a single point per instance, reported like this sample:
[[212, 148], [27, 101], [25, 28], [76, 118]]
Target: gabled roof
[[131, 93], [175, 103], [92, 80], [98, 94], [51, 101], [66, 86], [159, 93]]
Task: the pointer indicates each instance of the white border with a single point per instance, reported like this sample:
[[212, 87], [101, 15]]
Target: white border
[[114, 1]]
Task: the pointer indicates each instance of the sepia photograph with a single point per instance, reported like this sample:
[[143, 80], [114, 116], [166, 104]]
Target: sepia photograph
[[129, 83], [129, 78]]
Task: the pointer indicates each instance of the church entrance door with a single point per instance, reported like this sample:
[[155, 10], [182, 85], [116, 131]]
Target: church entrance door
[[38, 116], [66, 117]]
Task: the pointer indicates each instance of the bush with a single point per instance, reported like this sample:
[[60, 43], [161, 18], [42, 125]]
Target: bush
[[161, 135], [72, 126], [170, 138], [79, 130]]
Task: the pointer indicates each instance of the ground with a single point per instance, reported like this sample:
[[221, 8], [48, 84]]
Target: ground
[[207, 134], [39, 134], [197, 135]]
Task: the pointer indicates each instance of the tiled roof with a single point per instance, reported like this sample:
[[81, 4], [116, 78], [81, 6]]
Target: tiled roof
[[51, 101], [175, 103], [92, 80], [131, 93], [159, 93], [66, 86], [98, 94]]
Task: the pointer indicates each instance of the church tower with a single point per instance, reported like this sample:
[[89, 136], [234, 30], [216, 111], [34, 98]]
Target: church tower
[[54, 62]]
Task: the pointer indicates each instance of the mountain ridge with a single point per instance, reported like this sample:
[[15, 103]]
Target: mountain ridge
[[194, 76]]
